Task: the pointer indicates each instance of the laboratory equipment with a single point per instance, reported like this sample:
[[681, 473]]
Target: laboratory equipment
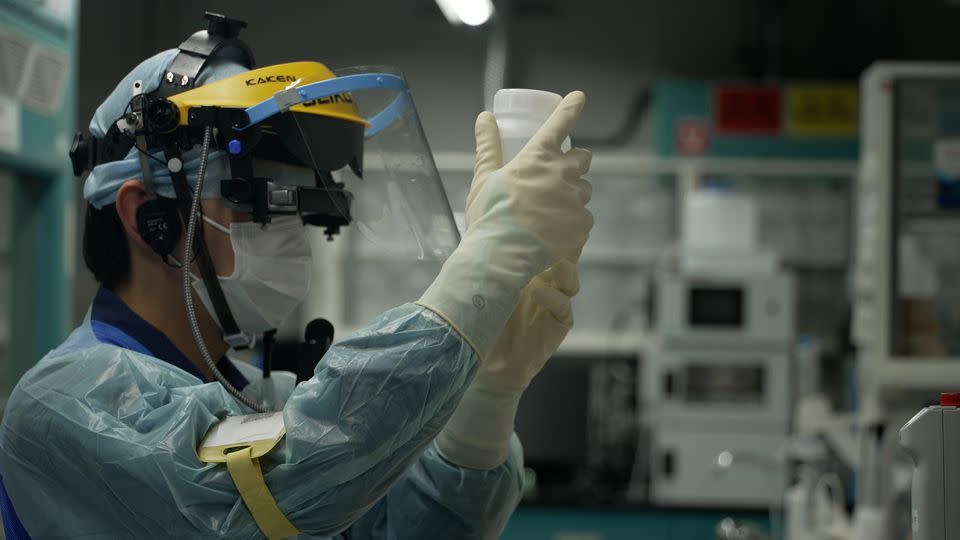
[[932, 438], [814, 506], [798, 507], [703, 308], [717, 380], [906, 297], [905, 302]]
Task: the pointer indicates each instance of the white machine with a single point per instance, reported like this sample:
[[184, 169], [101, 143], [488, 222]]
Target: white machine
[[932, 438], [716, 387], [908, 225], [906, 295]]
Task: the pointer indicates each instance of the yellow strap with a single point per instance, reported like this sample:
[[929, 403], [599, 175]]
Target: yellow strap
[[246, 474]]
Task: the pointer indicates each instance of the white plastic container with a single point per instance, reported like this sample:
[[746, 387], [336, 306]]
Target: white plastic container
[[520, 112]]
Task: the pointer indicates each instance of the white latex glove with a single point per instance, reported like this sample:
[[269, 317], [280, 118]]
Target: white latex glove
[[478, 434], [534, 332], [543, 316], [524, 217]]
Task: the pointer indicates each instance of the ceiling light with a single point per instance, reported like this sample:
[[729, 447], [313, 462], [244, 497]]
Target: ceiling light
[[469, 12]]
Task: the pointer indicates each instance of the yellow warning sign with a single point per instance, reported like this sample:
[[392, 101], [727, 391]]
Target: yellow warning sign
[[822, 110]]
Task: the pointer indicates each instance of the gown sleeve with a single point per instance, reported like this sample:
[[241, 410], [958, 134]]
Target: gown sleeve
[[105, 439]]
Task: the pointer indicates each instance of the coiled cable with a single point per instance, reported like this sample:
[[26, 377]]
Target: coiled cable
[[188, 280]]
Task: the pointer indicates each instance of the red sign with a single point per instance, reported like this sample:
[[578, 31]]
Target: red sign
[[747, 110], [692, 138]]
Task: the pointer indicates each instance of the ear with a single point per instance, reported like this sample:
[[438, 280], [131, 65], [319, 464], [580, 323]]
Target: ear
[[130, 197]]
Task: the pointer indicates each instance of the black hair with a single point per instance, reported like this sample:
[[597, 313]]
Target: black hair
[[105, 248]]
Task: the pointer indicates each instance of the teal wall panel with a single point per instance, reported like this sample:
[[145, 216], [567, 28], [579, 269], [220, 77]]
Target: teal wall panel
[[39, 206], [533, 523]]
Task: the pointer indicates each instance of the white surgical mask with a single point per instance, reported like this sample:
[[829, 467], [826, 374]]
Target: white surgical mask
[[271, 273]]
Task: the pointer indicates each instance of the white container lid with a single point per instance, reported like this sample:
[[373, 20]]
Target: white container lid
[[533, 104]]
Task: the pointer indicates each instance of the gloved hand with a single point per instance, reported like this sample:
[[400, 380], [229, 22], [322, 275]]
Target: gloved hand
[[523, 218], [478, 433], [536, 329]]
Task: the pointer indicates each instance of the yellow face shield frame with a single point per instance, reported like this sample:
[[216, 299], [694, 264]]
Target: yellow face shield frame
[[245, 90]]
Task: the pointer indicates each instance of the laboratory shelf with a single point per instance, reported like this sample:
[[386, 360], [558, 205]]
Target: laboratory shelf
[[933, 374], [616, 343], [636, 257], [646, 164]]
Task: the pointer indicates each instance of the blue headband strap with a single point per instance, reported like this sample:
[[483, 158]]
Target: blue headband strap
[[284, 99]]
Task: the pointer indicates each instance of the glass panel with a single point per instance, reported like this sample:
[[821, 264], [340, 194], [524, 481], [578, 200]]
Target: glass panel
[[925, 310], [377, 281], [376, 285]]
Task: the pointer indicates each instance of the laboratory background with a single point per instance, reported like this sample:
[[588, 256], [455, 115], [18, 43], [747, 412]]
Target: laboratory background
[[767, 331]]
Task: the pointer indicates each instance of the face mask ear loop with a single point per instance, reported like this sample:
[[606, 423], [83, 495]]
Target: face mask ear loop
[[188, 280], [213, 223]]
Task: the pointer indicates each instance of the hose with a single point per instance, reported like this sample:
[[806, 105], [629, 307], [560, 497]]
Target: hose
[[188, 280]]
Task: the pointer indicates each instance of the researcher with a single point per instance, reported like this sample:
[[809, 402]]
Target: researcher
[[201, 177]]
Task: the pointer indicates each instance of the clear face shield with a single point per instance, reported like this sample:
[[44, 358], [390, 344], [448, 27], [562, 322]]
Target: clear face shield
[[376, 174]]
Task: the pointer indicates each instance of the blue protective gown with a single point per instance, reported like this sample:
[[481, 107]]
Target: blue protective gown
[[99, 439]]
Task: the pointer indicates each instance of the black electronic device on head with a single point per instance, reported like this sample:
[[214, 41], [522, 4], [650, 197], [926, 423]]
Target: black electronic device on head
[[156, 124], [220, 39], [158, 223]]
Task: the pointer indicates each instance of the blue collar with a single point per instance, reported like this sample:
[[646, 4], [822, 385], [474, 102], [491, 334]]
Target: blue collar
[[114, 322]]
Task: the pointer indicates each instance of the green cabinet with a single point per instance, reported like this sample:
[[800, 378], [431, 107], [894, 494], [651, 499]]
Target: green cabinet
[[37, 110]]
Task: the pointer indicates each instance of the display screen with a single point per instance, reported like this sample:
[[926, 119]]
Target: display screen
[[712, 306]]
